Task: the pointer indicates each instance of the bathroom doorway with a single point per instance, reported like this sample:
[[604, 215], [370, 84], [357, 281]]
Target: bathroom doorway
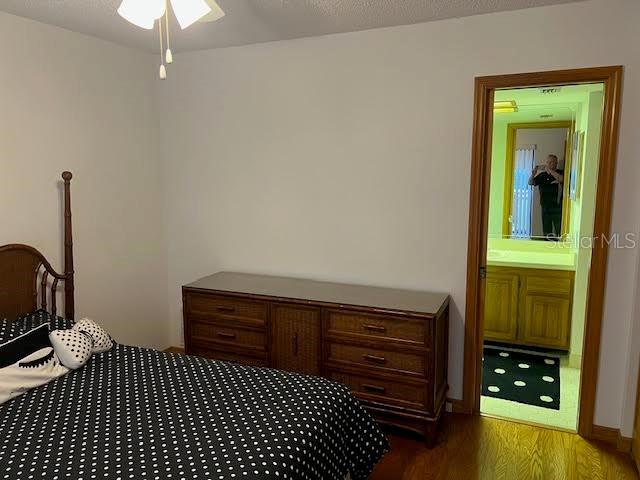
[[544, 151], [544, 165]]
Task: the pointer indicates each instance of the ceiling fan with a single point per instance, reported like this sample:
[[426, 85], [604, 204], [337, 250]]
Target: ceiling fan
[[144, 14]]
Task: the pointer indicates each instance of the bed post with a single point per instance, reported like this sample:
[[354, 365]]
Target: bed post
[[68, 249]]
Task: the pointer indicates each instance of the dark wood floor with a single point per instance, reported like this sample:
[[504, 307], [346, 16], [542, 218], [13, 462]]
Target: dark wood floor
[[485, 448]]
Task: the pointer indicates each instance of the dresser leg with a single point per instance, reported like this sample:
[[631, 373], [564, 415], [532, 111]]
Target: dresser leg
[[431, 434]]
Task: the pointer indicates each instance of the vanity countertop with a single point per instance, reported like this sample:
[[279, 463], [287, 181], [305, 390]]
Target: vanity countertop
[[552, 260]]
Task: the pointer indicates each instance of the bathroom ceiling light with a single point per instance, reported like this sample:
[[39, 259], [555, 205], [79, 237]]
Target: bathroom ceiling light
[[507, 106], [144, 13]]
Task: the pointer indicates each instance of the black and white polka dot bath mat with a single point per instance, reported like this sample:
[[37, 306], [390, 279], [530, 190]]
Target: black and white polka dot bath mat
[[521, 377]]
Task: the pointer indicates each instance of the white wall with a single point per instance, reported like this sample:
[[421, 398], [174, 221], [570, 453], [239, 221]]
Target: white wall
[[347, 157], [71, 102], [633, 359]]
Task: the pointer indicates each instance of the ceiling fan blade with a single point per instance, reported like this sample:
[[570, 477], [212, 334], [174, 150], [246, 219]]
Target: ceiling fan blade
[[216, 12], [188, 12], [142, 13]]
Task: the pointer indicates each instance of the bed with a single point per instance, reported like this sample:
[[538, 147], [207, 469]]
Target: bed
[[137, 413]]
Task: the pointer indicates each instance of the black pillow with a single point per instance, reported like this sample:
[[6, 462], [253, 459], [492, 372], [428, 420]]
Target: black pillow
[[40, 317], [28, 361], [24, 345], [10, 329]]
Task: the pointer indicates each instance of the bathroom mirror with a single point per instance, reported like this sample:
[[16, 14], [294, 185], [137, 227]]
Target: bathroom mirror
[[537, 174], [541, 138]]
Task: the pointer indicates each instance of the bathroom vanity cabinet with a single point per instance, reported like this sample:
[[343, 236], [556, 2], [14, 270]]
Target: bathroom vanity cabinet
[[528, 306]]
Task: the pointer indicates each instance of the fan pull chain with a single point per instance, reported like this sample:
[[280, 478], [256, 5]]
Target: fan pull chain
[[163, 69], [168, 57]]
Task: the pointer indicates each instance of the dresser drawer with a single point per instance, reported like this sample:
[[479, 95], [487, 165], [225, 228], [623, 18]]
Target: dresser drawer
[[208, 305], [387, 328], [385, 391], [373, 358], [211, 332], [228, 357]]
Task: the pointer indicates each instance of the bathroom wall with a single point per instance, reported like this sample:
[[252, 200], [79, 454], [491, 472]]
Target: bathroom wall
[[498, 162], [583, 213]]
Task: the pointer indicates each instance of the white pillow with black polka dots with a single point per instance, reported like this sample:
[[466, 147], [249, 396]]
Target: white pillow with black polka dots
[[73, 347], [101, 340]]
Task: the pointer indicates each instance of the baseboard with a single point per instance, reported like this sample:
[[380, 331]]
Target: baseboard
[[624, 444], [575, 361], [457, 406], [611, 436], [175, 350]]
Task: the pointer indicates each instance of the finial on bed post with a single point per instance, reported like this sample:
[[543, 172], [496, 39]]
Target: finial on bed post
[[68, 249]]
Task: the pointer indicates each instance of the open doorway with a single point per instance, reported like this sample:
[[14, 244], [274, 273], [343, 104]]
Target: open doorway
[[543, 164]]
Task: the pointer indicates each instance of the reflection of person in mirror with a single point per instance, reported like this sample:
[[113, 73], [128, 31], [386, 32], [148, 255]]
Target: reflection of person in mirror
[[549, 180]]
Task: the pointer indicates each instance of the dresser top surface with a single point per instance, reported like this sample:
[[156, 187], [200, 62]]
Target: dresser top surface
[[323, 292]]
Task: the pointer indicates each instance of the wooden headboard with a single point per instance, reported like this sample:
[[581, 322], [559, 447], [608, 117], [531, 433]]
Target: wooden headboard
[[27, 279]]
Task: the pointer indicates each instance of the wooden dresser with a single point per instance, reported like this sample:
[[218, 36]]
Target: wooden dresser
[[389, 346]]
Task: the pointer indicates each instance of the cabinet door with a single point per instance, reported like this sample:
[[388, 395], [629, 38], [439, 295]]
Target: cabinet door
[[501, 306], [545, 321], [296, 339]]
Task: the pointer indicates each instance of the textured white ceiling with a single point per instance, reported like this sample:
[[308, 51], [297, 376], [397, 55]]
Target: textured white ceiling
[[255, 21]]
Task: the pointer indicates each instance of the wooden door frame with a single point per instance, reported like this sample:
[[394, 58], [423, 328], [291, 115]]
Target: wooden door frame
[[485, 87]]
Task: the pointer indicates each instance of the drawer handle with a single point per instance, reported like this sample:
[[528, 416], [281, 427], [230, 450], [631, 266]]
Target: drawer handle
[[223, 308], [231, 336], [374, 388], [375, 328], [375, 358]]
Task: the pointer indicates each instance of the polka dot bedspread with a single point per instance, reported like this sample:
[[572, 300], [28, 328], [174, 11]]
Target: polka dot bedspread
[[136, 413]]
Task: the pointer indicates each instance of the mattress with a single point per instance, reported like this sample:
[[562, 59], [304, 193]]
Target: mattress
[[142, 414]]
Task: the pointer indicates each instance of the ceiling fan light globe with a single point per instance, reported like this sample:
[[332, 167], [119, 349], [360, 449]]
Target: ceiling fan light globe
[[188, 12], [142, 13]]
